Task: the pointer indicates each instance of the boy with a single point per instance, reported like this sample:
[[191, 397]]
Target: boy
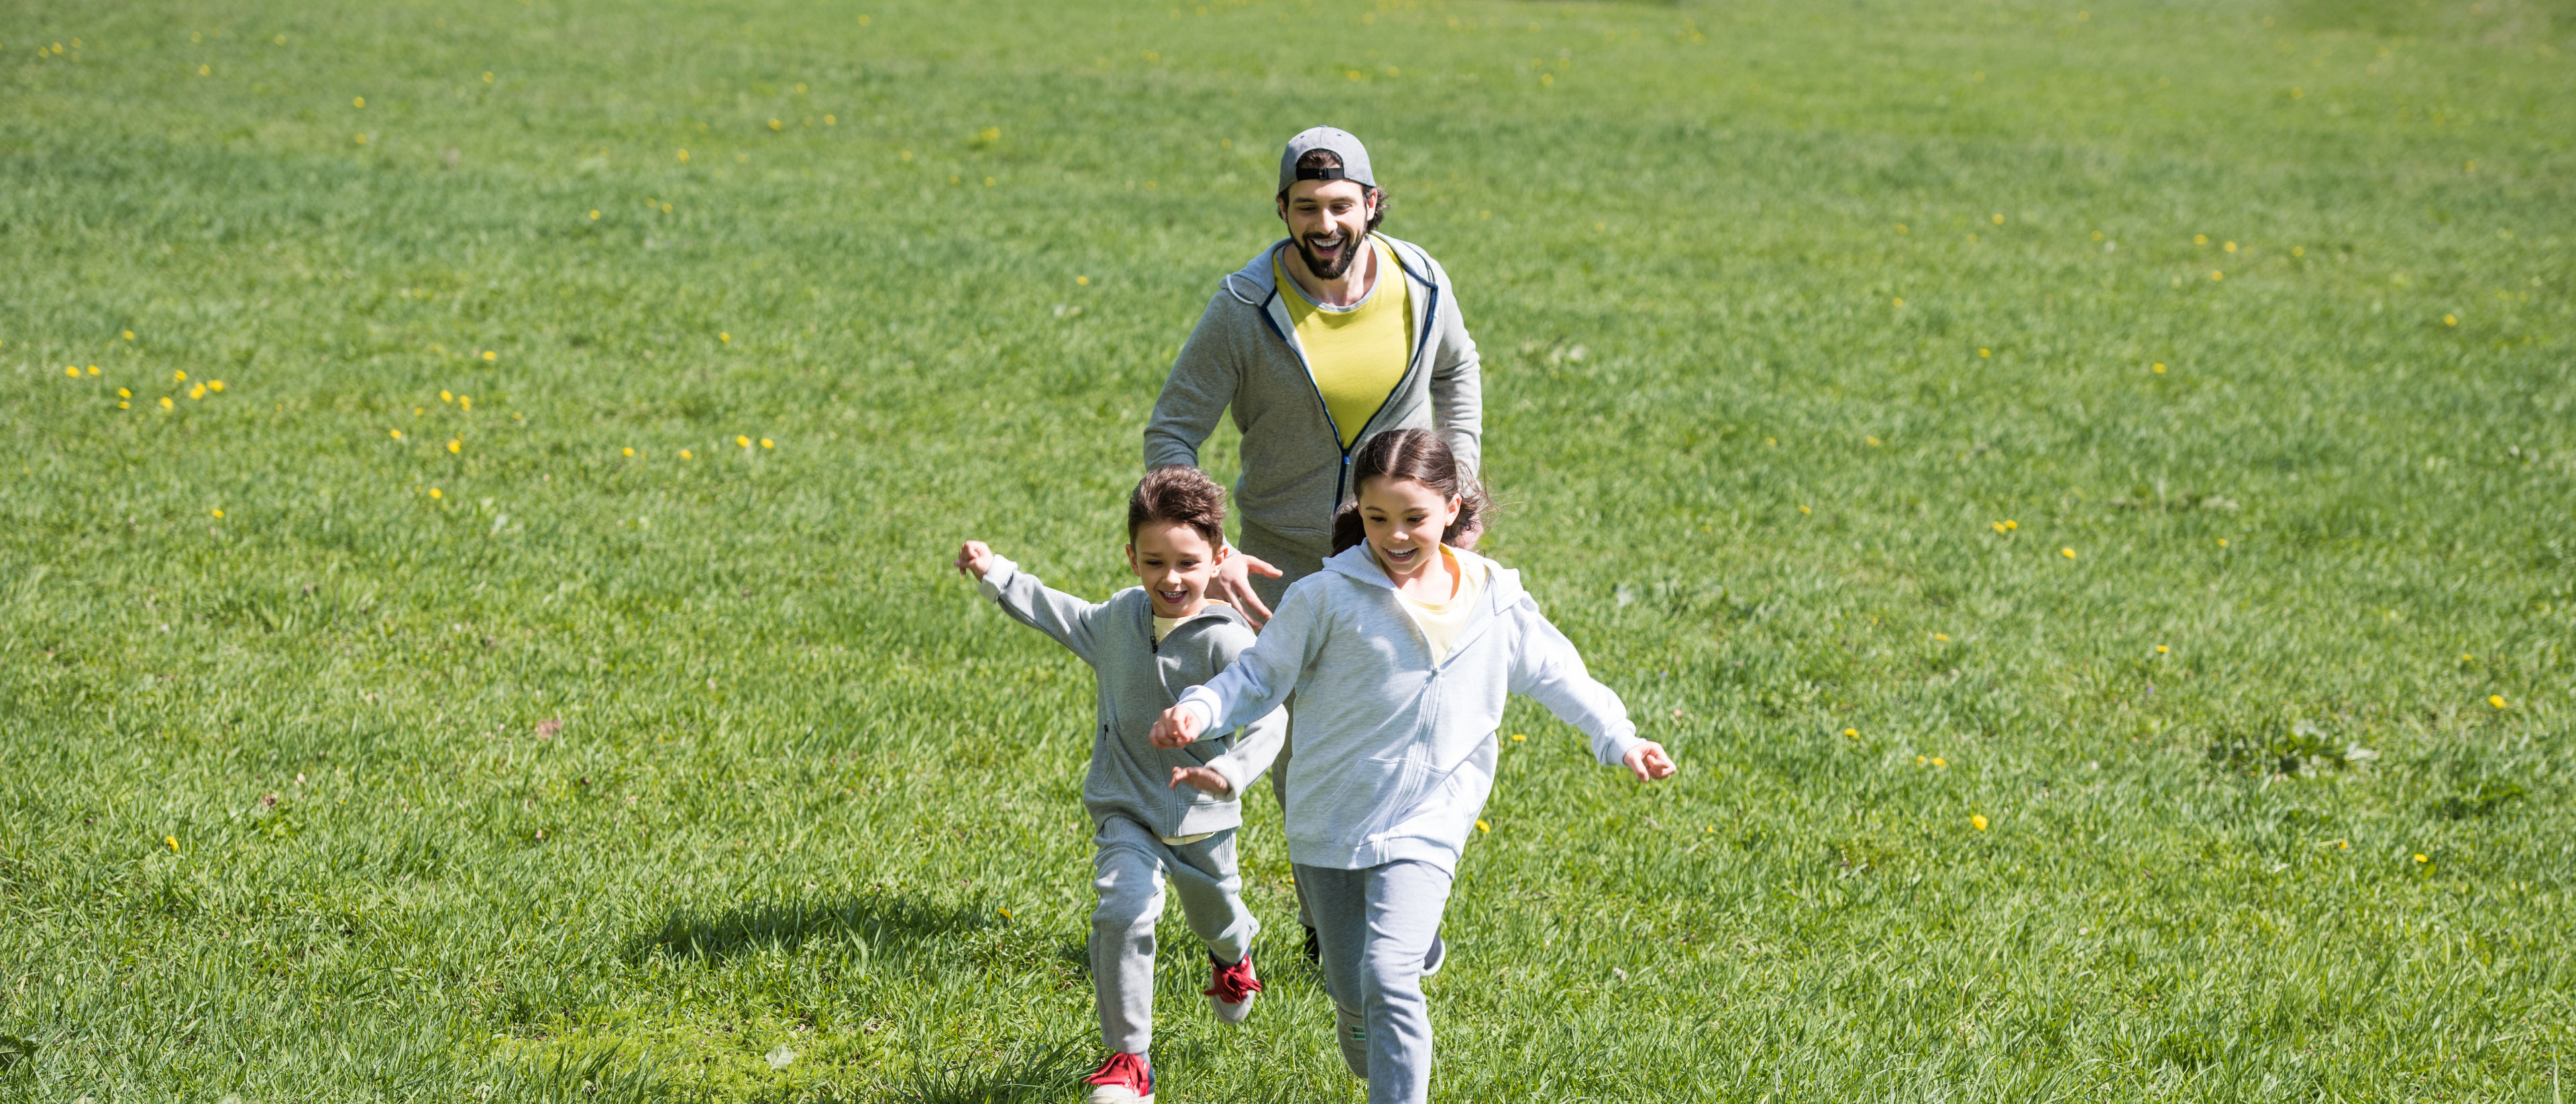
[[1157, 813]]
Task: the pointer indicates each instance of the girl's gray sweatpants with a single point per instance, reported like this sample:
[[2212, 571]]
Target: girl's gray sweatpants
[[1376, 925], [1129, 865]]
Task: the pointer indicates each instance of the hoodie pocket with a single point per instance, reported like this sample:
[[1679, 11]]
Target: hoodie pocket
[[1399, 781]]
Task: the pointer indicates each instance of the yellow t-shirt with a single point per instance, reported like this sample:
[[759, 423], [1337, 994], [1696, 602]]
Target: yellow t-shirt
[[1356, 353], [1441, 622]]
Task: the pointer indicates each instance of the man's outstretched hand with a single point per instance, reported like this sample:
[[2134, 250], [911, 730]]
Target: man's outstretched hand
[[1649, 763], [1233, 585], [1176, 727], [1200, 778]]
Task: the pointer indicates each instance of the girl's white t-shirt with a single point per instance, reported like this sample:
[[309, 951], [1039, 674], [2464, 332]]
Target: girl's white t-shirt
[[1440, 622]]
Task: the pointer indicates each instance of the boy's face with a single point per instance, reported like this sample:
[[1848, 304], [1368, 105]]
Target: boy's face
[[1404, 520], [1176, 564]]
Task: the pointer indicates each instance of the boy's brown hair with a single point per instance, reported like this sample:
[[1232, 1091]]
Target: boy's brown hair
[[1178, 495]]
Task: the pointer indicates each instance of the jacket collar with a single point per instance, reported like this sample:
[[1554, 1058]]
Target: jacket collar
[[1355, 563]]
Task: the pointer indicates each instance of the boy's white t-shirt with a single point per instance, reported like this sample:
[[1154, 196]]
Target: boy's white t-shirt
[[1440, 622]]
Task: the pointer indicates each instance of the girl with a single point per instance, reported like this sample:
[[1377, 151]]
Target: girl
[[1400, 653]]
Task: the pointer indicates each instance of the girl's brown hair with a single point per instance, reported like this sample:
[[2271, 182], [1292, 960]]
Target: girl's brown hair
[[1178, 495], [1423, 457]]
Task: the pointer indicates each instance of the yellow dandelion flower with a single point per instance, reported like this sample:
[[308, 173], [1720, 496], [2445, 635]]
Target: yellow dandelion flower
[[72, 370], [1940, 762], [217, 513], [123, 393], [166, 403], [205, 70], [197, 392], [745, 442], [1997, 219], [1985, 352], [2450, 320], [396, 432], [1805, 510], [463, 402], [1920, 760], [1900, 300], [1999, 527], [454, 445], [2200, 239], [444, 396], [767, 443], [490, 355], [2069, 553], [2011, 524], [1519, 737], [487, 78], [1977, 822], [687, 455], [1854, 733], [1481, 826], [2298, 251], [93, 369], [436, 493], [1873, 442], [178, 377], [2159, 369], [216, 386], [831, 120], [362, 139], [2230, 247], [358, 102], [1006, 913], [2464, 657], [630, 452], [2496, 700], [2216, 275], [2161, 649], [724, 337], [684, 155], [123, 405], [1942, 637], [2419, 857], [173, 841], [1082, 281], [2222, 542], [776, 125], [666, 208], [594, 214]]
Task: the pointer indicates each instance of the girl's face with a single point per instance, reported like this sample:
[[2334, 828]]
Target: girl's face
[[1176, 564], [1404, 519]]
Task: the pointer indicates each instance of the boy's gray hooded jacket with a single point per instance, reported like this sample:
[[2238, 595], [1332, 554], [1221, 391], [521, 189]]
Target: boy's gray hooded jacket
[[1395, 755], [1130, 777], [1244, 353]]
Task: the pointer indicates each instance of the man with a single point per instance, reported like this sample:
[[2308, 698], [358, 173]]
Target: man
[[1328, 337], [1324, 340]]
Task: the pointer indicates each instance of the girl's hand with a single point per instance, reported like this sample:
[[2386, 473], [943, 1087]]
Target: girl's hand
[[1175, 728], [974, 559], [1649, 763], [1200, 778]]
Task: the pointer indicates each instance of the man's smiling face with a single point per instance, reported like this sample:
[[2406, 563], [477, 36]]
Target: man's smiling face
[[1328, 219]]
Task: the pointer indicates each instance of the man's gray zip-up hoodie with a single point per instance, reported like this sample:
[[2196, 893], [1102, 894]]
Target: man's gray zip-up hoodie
[[1244, 354], [1139, 678], [1395, 755]]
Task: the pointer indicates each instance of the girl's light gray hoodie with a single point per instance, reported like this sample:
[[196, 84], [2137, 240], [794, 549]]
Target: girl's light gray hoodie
[[1140, 678], [1395, 755]]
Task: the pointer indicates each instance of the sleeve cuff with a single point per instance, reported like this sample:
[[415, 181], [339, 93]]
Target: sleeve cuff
[[1615, 745], [997, 577]]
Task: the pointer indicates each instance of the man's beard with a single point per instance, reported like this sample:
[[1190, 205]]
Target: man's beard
[[1341, 263]]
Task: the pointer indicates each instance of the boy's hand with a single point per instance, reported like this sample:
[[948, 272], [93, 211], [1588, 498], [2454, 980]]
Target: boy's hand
[[1649, 763], [1201, 778], [1175, 728], [974, 558]]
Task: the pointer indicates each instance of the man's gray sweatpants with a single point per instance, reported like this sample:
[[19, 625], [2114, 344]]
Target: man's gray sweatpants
[[1129, 865], [1376, 925]]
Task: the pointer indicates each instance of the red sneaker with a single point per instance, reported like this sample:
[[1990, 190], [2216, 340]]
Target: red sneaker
[[1231, 991], [1123, 1079]]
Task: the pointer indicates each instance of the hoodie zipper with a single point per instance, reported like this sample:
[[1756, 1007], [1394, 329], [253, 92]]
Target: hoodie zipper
[[1342, 478]]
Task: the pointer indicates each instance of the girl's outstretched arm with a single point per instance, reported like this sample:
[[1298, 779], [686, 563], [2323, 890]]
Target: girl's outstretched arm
[[1551, 671], [1260, 680]]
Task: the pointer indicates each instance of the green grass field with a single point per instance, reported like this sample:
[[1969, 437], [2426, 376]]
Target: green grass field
[[2085, 489]]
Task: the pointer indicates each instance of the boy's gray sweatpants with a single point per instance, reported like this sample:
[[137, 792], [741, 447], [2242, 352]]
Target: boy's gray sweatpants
[[1129, 865], [1376, 925]]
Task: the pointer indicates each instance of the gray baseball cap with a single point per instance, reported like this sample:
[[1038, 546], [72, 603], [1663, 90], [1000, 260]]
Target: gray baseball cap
[[1355, 162]]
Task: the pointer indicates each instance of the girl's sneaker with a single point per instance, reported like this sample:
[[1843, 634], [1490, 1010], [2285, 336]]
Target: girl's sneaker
[[1123, 1079], [1231, 991]]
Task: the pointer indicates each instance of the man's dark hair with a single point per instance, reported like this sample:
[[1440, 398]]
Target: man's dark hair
[[1327, 159], [1178, 495]]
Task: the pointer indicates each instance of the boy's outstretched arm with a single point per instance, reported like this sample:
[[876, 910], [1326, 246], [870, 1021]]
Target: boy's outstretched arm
[[1066, 618]]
